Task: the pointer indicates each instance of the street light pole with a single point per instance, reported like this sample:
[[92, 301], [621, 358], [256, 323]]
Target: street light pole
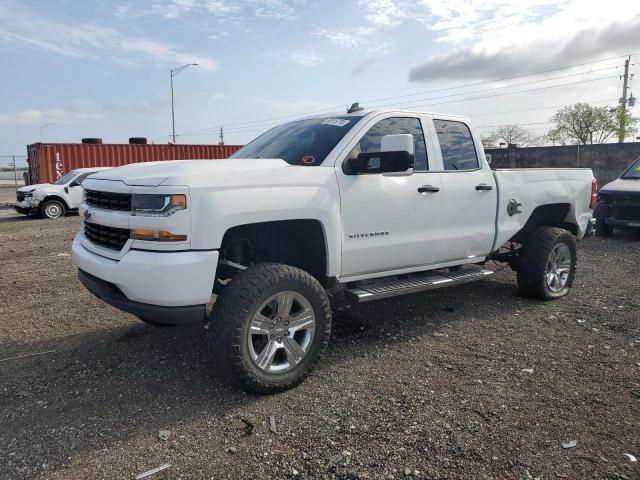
[[42, 127], [174, 72]]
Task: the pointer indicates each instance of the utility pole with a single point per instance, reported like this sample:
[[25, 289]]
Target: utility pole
[[42, 127], [623, 101], [15, 172], [221, 137], [174, 72]]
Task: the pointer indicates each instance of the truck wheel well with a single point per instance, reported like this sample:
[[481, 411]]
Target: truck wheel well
[[55, 197], [299, 243], [551, 215]]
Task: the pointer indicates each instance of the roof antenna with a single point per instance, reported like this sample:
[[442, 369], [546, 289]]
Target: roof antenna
[[355, 108]]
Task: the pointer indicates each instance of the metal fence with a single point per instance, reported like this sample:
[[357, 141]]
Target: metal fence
[[13, 170]]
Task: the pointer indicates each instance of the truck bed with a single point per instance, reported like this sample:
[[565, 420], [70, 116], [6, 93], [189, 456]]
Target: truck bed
[[532, 187]]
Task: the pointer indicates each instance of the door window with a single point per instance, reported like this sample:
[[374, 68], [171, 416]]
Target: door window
[[372, 140], [456, 145], [80, 179]]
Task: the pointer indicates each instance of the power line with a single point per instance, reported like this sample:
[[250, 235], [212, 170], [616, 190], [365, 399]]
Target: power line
[[472, 115], [205, 130], [537, 108], [249, 129], [519, 124], [520, 91], [504, 87]]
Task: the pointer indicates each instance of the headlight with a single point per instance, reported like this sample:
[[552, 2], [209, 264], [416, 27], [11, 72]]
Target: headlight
[[157, 205]]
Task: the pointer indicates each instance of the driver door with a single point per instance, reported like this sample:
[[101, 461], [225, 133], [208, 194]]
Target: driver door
[[389, 220]]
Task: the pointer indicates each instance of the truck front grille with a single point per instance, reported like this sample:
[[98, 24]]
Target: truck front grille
[[107, 237], [20, 196], [108, 200]]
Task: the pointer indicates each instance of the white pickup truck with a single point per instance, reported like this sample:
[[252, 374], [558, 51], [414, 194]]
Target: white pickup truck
[[374, 204], [54, 200]]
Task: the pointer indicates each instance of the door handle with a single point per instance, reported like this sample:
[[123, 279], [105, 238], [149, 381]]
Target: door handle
[[484, 186], [428, 188]]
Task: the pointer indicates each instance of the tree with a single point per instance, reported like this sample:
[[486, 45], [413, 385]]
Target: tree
[[584, 123], [511, 134], [554, 137], [625, 123], [488, 142]]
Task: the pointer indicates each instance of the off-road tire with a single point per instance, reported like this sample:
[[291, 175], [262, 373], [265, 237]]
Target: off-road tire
[[603, 229], [50, 206], [532, 264], [234, 310]]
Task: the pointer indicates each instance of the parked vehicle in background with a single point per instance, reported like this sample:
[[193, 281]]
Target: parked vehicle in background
[[54, 200], [619, 203], [371, 204], [49, 161]]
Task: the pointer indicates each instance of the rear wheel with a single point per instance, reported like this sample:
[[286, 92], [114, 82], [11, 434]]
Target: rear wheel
[[603, 229], [52, 209], [270, 327], [547, 265]]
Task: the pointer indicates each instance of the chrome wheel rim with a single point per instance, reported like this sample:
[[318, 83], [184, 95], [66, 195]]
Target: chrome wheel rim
[[558, 267], [53, 210], [281, 331]]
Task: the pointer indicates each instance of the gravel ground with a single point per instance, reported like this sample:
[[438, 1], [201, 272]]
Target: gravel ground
[[7, 195], [467, 382]]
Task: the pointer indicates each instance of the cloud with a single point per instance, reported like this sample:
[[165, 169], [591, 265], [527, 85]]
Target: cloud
[[24, 28], [221, 9], [345, 38], [306, 59], [385, 13], [381, 14], [569, 35], [219, 35], [364, 66], [38, 117]]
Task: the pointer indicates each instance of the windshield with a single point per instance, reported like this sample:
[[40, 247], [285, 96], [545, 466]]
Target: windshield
[[304, 142], [633, 172], [65, 178]]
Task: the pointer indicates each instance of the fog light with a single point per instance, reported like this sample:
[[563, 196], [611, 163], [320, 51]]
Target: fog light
[[156, 235]]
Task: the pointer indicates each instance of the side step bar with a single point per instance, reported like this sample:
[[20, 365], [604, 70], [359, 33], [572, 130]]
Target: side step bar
[[414, 284]]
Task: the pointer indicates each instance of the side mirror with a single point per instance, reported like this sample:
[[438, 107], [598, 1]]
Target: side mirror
[[396, 156]]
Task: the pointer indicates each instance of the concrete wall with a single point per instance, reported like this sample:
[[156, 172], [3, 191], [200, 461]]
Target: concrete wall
[[607, 160]]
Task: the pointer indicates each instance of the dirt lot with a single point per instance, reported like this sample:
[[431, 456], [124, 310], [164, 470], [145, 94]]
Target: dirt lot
[[428, 386], [7, 194]]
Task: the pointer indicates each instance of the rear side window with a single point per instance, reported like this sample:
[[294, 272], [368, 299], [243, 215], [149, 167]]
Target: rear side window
[[372, 140], [456, 145]]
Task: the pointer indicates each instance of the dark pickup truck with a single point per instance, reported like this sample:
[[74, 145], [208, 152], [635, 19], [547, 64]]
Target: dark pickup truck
[[619, 203]]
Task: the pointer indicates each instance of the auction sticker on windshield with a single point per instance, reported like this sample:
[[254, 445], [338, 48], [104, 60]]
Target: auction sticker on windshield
[[336, 122]]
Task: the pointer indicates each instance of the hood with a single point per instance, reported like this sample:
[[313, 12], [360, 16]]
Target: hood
[[28, 188], [622, 185], [184, 172]]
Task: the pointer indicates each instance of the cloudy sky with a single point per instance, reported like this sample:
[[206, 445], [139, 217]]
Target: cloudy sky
[[101, 68]]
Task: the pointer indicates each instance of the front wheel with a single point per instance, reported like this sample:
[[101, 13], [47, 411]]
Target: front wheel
[[52, 209], [547, 266], [270, 327]]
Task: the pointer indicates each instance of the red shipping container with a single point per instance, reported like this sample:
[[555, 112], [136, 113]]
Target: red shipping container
[[50, 161]]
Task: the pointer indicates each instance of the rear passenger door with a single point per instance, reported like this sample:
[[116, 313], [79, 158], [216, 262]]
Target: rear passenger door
[[469, 195]]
